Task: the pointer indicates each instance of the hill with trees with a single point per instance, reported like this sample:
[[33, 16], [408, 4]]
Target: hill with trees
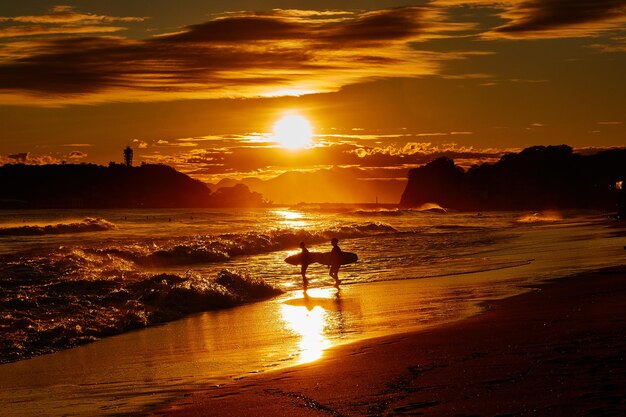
[[115, 186], [537, 178]]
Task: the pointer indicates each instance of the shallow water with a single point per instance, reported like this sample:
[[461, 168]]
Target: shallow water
[[461, 260], [71, 277]]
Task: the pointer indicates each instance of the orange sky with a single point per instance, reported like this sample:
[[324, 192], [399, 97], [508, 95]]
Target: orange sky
[[386, 85]]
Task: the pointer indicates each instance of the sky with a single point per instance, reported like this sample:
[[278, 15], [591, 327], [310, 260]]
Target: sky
[[383, 85]]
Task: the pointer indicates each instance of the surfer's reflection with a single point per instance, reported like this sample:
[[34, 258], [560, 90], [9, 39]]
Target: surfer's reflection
[[320, 320], [305, 261], [334, 310], [340, 325]]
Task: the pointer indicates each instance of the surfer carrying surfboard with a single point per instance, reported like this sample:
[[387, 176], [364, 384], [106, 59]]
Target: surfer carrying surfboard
[[305, 261], [335, 261]]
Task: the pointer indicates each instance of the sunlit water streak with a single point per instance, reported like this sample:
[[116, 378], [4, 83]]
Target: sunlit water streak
[[460, 258]]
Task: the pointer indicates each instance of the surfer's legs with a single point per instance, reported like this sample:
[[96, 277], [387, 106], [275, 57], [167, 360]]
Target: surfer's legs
[[334, 273], [305, 281]]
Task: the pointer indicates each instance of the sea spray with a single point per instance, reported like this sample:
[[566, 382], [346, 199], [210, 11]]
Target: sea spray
[[39, 316]]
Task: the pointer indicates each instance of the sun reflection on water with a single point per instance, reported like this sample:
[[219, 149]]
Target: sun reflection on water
[[319, 319], [290, 218]]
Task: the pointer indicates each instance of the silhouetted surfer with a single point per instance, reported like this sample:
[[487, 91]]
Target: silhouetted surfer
[[305, 259], [335, 261]]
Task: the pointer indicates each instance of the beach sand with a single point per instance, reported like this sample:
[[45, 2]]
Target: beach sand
[[559, 350]]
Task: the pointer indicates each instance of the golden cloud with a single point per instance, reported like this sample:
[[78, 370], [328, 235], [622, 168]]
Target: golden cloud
[[233, 55], [68, 15]]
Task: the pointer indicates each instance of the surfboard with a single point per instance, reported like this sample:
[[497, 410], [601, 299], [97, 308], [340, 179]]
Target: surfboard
[[346, 258], [322, 258], [297, 258]]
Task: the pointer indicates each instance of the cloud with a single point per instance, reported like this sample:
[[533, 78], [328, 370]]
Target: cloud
[[77, 155], [534, 19], [265, 161], [68, 15], [562, 18], [62, 20], [18, 31], [609, 48], [28, 159], [141, 144], [234, 55], [21, 157]]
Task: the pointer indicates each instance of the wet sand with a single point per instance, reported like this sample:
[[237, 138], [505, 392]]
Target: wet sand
[[559, 350]]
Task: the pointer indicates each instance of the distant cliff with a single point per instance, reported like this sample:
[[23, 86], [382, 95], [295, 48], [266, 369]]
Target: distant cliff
[[115, 186], [537, 178]]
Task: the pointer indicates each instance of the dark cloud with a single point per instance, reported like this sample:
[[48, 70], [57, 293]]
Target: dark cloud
[[19, 157], [376, 26], [237, 29], [535, 19], [547, 15], [400, 23]]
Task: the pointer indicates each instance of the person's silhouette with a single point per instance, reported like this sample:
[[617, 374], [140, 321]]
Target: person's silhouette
[[304, 264], [335, 261]]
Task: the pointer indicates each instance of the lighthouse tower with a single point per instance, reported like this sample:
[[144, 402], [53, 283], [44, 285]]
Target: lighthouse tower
[[128, 156]]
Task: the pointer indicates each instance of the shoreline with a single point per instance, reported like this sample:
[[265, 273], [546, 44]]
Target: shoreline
[[555, 350]]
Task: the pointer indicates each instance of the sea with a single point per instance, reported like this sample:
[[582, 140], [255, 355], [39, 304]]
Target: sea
[[106, 312]]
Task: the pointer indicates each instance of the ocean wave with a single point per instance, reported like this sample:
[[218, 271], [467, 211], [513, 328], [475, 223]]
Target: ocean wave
[[42, 316], [547, 216], [381, 212], [427, 208], [86, 225], [125, 258], [208, 249]]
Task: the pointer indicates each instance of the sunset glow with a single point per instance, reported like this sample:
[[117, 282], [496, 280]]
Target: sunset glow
[[233, 189], [293, 131]]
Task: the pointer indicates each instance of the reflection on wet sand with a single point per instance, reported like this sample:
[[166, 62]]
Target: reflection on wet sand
[[317, 319]]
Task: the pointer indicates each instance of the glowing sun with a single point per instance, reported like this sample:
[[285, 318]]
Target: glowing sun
[[293, 131]]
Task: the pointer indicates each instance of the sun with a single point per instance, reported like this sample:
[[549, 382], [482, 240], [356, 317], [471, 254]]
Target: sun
[[293, 131]]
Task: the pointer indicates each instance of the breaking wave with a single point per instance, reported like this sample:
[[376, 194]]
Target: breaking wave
[[195, 250], [381, 212], [426, 208], [42, 316], [87, 225], [541, 217], [203, 250], [129, 257]]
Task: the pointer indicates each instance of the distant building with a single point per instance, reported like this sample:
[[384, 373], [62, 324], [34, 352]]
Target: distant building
[[128, 156]]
